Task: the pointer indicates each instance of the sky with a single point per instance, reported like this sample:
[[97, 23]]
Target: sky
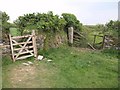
[[88, 12]]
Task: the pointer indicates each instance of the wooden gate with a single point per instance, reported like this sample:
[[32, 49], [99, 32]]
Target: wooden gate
[[23, 46]]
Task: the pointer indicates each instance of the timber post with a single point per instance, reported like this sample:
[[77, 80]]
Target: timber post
[[11, 46], [34, 43]]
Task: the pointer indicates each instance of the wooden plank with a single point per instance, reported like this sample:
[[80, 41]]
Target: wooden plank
[[22, 43], [91, 46], [18, 37], [23, 57], [11, 45], [75, 32], [34, 43], [27, 47], [23, 47], [75, 36], [76, 39], [25, 52]]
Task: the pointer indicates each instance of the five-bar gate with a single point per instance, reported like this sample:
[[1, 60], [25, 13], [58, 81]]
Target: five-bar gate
[[23, 46]]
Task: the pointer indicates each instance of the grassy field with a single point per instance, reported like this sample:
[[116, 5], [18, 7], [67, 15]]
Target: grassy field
[[69, 68]]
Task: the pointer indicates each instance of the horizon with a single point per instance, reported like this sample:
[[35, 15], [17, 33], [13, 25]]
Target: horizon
[[88, 13]]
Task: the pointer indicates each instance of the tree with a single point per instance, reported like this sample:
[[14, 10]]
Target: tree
[[113, 27], [5, 25], [5, 17], [72, 21], [26, 22], [46, 22]]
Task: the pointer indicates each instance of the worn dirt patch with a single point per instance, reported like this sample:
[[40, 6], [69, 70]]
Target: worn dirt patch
[[38, 75], [20, 74]]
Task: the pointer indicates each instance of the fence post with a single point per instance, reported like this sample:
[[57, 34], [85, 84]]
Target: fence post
[[11, 45], [70, 35], [34, 43]]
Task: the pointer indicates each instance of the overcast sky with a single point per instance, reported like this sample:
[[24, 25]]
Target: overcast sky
[[87, 11]]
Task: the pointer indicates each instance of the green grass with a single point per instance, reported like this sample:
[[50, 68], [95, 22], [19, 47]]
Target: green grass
[[70, 68]]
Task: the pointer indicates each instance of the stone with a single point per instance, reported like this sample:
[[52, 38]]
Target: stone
[[20, 80], [40, 57], [30, 63], [26, 64], [49, 60]]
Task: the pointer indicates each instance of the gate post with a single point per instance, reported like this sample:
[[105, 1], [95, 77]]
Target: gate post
[[70, 35], [11, 46], [34, 43]]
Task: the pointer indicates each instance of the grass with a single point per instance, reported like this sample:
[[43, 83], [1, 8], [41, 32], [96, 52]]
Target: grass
[[70, 68], [14, 32]]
